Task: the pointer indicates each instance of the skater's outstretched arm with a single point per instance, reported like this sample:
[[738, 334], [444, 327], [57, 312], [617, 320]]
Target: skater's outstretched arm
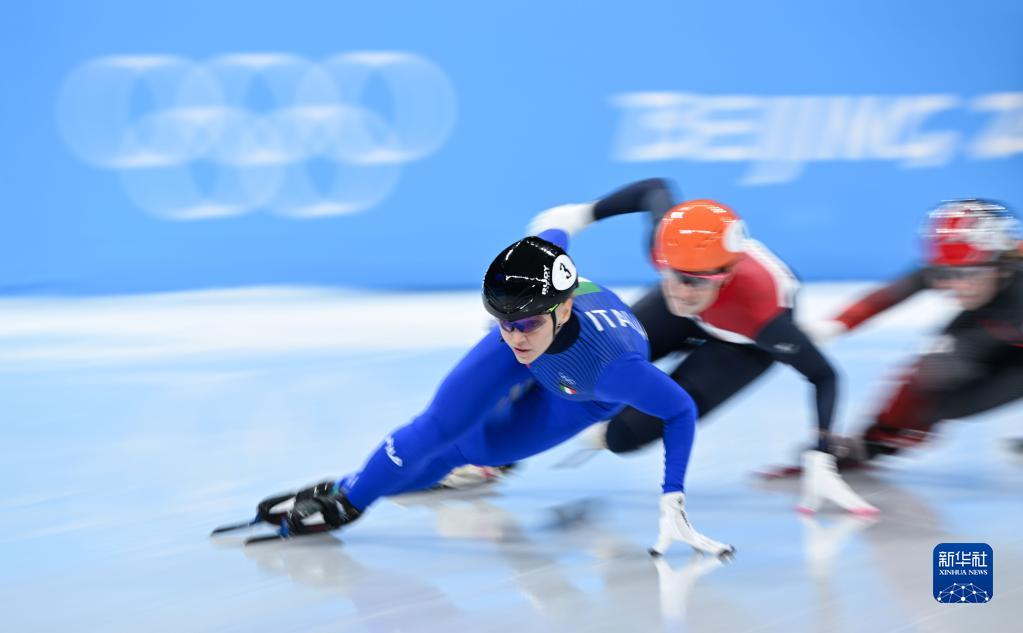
[[868, 306], [653, 195], [634, 381], [788, 344]]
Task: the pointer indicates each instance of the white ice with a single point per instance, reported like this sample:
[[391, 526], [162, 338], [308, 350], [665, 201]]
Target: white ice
[[132, 426]]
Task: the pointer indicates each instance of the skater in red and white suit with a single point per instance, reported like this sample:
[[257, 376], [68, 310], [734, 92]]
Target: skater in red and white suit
[[976, 363], [726, 302]]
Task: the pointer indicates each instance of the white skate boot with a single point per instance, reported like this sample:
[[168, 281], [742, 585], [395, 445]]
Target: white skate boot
[[821, 482], [471, 476], [675, 526]]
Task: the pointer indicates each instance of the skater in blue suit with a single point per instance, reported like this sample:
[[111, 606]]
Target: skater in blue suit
[[566, 353]]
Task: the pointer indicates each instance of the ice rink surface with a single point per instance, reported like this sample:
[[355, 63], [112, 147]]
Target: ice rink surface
[[133, 426]]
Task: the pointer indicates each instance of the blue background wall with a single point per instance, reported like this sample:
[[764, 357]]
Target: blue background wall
[[549, 103]]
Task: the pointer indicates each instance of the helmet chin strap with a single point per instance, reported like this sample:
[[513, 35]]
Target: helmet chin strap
[[554, 319]]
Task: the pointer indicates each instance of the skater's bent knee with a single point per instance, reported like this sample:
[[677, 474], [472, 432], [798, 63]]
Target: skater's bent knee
[[621, 439]]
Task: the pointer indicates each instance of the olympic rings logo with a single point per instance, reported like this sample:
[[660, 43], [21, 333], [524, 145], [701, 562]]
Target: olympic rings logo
[[241, 132]]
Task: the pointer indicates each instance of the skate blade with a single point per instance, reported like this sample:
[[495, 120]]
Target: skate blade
[[232, 527], [772, 473], [282, 534]]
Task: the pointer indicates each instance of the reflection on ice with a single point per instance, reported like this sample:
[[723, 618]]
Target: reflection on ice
[[132, 427]]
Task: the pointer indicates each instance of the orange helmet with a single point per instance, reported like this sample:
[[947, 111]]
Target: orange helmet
[[699, 236]]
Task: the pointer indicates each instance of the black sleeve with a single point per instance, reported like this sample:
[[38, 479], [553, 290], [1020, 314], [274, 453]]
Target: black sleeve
[[964, 352], [786, 343], [653, 195], [975, 340]]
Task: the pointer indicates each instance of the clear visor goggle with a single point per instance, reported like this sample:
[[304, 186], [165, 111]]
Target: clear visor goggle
[[957, 273], [526, 325], [696, 280]]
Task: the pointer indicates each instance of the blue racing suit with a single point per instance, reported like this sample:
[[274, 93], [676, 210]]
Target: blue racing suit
[[597, 364]]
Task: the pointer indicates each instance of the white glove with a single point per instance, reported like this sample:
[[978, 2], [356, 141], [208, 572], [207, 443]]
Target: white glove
[[570, 218], [821, 482], [675, 526], [822, 332]]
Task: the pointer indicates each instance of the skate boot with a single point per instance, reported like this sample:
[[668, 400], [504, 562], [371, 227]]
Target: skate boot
[[321, 513], [821, 482], [675, 526], [471, 476], [276, 507]]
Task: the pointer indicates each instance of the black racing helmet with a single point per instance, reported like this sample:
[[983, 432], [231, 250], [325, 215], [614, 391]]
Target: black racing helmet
[[530, 277]]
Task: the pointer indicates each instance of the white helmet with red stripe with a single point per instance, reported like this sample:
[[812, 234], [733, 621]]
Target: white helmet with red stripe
[[971, 232]]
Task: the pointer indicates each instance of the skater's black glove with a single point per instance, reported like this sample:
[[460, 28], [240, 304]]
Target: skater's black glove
[[321, 513]]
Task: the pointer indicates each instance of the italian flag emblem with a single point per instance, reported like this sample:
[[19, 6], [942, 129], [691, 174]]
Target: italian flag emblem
[[570, 391]]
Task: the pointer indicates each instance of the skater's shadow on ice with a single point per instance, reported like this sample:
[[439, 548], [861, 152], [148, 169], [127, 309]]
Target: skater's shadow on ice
[[544, 557]]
